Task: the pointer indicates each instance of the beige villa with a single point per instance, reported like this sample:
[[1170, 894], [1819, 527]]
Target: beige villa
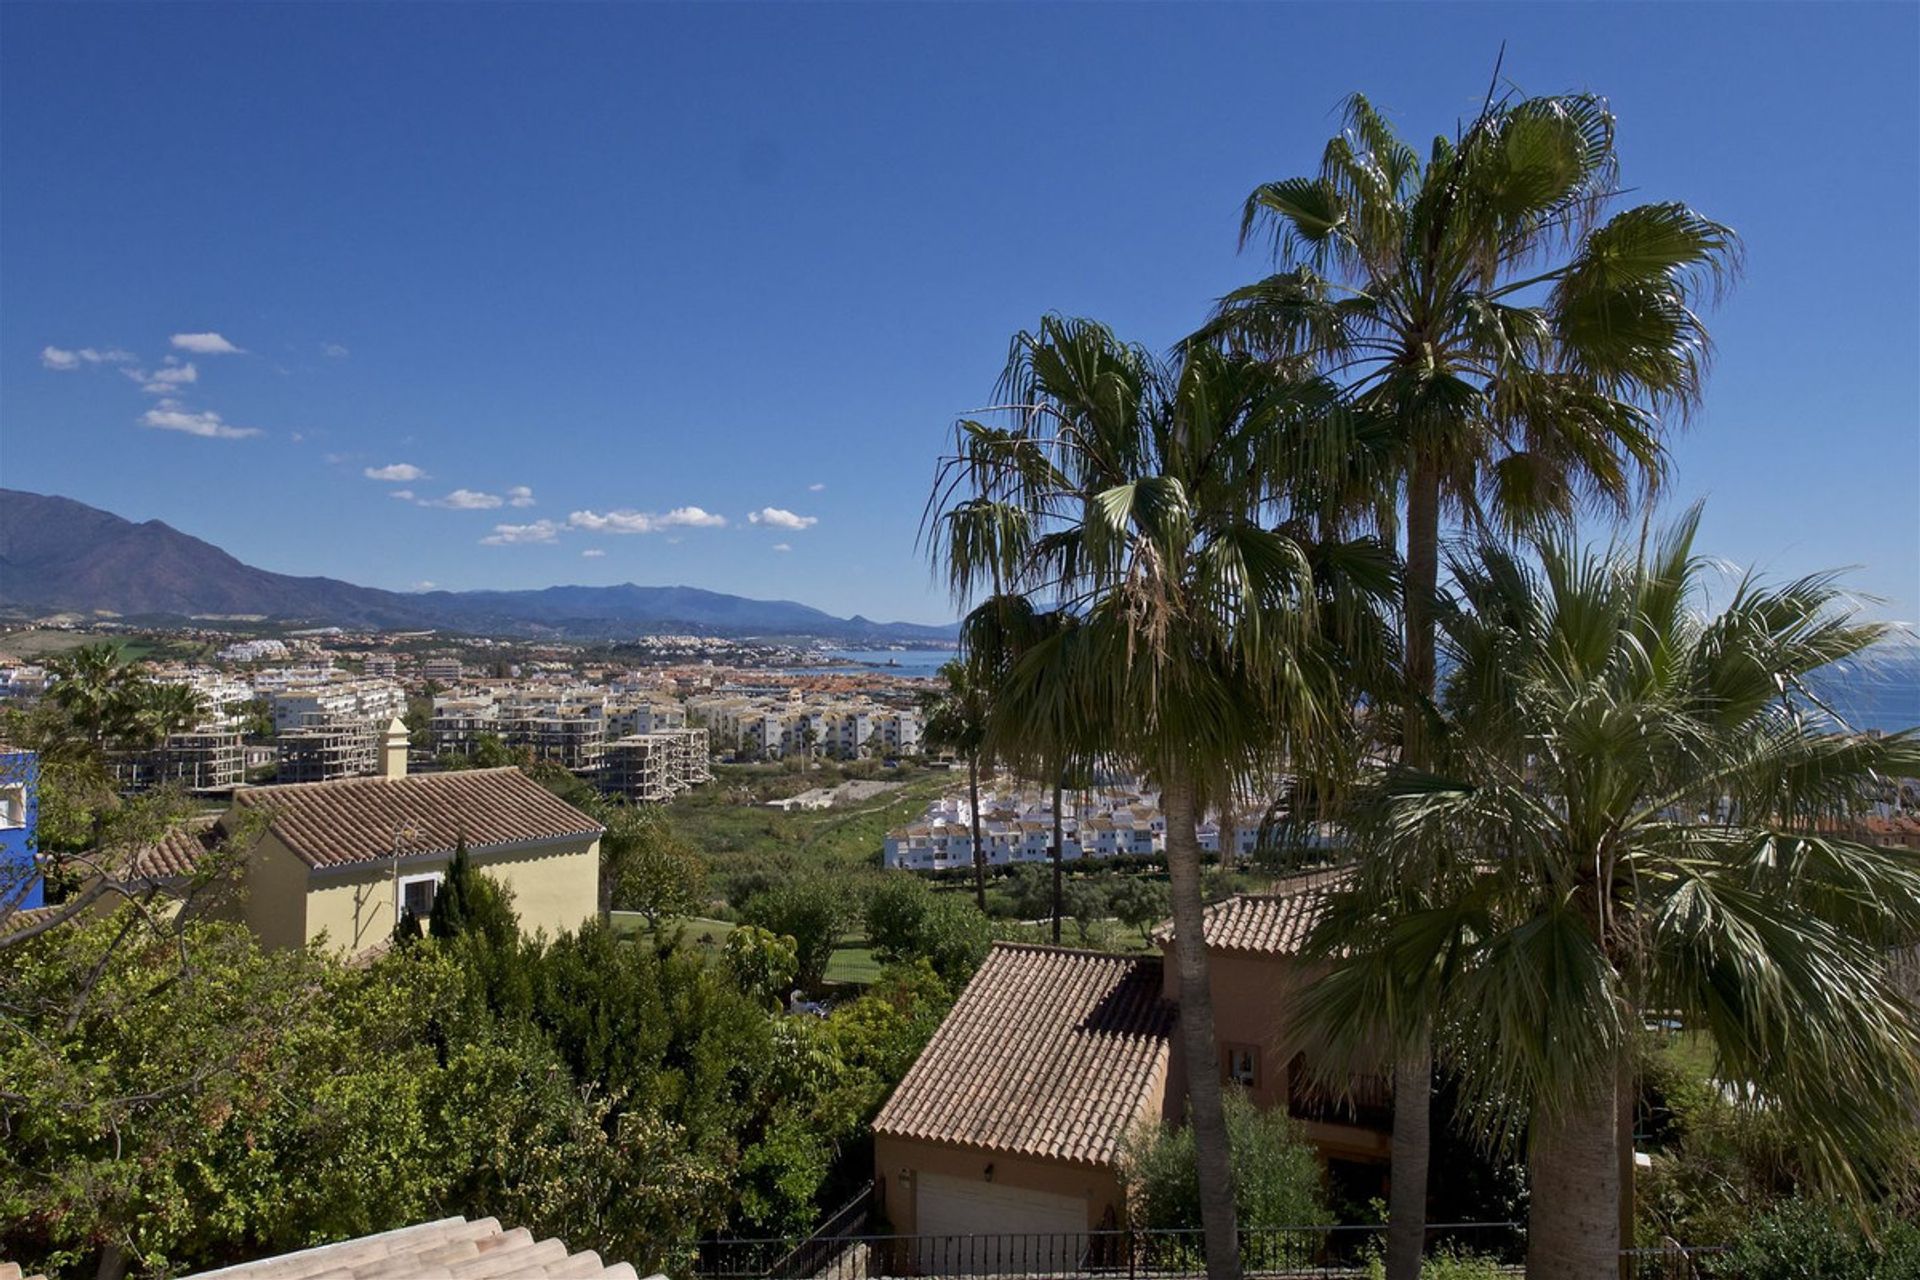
[[343, 860], [1013, 1121]]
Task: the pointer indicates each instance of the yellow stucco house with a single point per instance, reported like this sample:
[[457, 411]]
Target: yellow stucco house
[[343, 860]]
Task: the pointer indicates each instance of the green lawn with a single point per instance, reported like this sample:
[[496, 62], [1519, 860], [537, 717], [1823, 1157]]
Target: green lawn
[[852, 964]]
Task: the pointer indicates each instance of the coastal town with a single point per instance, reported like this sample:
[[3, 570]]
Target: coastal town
[[743, 642]]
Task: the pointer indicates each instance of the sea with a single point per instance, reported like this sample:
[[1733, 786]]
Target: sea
[[914, 664], [1880, 690]]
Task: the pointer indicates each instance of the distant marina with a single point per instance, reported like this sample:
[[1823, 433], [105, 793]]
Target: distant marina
[[911, 664]]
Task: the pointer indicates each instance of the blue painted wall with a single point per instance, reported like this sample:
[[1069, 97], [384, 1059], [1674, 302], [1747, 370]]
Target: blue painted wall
[[22, 769]]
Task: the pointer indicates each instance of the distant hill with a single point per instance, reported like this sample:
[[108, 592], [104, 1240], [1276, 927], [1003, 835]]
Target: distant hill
[[58, 555]]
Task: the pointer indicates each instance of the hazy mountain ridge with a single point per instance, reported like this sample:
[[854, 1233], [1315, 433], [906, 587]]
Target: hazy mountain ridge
[[57, 554]]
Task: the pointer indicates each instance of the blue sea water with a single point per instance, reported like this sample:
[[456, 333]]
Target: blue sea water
[[912, 663], [1880, 691]]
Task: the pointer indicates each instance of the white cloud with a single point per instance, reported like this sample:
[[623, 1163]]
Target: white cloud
[[204, 344], [67, 361], [593, 553], [781, 546], [403, 494], [334, 351], [520, 496], [425, 584], [165, 381], [171, 415], [816, 488], [464, 500], [395, 471], [779, 518], [645, 521], [507, 535]]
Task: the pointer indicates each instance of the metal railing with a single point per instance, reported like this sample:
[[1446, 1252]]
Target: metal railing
[[1279, 1253], [828, 1241]]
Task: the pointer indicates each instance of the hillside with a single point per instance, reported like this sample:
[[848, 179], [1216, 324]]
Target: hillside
[[59, 555]]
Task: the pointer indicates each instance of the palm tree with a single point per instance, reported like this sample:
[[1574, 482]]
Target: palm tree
[[1149, 505], [89, 684], [158, 711], [1520, 342], [1635, 809], [999, 633], [955, 719]]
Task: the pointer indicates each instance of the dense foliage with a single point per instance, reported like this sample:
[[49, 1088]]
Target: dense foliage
[[1277, 1180], [1805, 1239], [177, 1097]]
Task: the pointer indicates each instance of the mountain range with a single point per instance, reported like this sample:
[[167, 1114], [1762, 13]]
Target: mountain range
[[59, 555]]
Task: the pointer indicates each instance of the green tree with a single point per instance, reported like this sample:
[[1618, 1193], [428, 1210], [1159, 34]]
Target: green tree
[[1030, 891], [763, 964], [468, 901], [907, 921], [1158, 506], [955, 719], [814, 912], [1634, 810], [1085, 902], [645, 866], [1140, 904], [1511, 342]]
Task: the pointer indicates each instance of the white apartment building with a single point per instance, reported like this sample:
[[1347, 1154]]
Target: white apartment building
[[1017, 827], [347, 698], [254, 651]]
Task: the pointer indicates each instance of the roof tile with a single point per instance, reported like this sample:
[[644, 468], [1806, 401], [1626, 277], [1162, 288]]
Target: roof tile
[[1275, 923], [330, 824], [1048, 1052]]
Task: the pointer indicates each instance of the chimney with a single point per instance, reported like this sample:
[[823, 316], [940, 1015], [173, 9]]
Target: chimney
[[393, 751]]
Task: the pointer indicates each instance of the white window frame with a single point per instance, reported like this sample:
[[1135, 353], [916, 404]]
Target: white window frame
[[400, 890], [13, 800]]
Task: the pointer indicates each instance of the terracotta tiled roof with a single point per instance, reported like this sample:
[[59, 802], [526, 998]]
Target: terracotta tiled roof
[[1274, 923], [447, 1248], [329, 824], [1048, 1052], [179, 851]]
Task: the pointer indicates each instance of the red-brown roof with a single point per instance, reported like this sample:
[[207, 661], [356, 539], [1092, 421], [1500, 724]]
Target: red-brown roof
[[330, 824], [179, 851], [1048, 1052], [1274, 923]]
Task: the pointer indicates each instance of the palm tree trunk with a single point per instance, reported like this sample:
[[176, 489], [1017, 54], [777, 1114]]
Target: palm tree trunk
[[1207, 1110], [1413, 1072], [1059, 782], [1407, 1186], [1573, 1171], [979, 850], [1418, 588], [1623, 1141]]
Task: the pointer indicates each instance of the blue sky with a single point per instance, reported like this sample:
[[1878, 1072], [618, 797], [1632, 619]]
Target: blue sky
[[669, 266]]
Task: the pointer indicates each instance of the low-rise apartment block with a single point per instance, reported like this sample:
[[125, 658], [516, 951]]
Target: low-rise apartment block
[[1017, 826]]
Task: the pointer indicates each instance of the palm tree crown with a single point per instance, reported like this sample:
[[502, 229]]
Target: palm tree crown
[[1638, 808], [1523, 347]]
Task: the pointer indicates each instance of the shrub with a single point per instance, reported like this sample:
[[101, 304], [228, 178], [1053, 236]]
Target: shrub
[[1803, 1239], [1277, 1179]]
